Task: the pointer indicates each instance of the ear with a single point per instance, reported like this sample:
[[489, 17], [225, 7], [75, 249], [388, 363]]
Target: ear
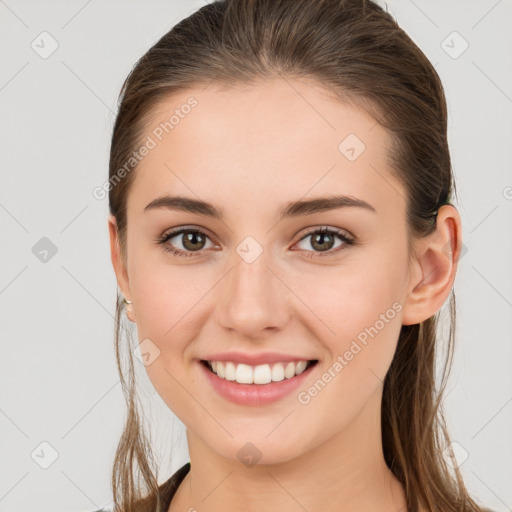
[[435, 263], [119, 264]]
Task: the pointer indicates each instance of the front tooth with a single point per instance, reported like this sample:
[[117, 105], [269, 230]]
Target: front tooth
[[277, 372], [301, 366], [289, 372], [262, 374], [230, 371], [244, 374]]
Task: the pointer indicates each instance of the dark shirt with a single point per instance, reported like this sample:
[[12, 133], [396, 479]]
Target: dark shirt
[[167, 490]]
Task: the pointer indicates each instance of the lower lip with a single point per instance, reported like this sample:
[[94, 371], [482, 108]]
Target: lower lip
[[255, 394]]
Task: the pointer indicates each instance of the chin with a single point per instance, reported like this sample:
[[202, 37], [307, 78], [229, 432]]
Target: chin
[[253, 451]]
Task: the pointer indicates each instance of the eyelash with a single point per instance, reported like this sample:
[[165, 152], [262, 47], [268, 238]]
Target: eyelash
[[347, 240]]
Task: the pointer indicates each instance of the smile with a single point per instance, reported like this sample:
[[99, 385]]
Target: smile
[[260, 374], [243, 384]]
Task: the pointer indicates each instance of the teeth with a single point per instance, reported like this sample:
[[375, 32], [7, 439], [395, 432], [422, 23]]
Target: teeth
[[277, 373], [301, 366], [230, 371], [261, 374], [289, 371], [244, 374]]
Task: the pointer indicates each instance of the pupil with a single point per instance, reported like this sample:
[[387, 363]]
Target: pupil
[[191, 238], [322, 241]]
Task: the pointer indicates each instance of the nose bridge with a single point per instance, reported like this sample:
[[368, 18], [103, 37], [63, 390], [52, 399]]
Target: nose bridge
[[251, 284], [252, 298], [251, 278]]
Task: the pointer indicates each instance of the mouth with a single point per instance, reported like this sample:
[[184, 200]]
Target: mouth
[[259, 375]]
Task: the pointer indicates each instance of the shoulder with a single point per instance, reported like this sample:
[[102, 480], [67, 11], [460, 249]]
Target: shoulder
[[166, 489]]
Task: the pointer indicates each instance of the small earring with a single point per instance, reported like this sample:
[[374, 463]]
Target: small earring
[[129, 310]]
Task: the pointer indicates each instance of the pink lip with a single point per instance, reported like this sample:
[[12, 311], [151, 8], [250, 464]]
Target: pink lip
[[254, 394], [255, 359]]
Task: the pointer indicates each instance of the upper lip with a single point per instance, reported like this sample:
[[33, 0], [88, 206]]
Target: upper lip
[[255, 359]]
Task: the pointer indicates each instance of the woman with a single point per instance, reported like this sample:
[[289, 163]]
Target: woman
[[283, 237]]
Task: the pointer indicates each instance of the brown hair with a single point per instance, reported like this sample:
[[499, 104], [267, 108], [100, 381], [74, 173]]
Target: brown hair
[[356, 49]]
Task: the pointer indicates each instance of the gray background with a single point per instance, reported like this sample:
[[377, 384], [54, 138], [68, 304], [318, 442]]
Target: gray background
[[58, 380]]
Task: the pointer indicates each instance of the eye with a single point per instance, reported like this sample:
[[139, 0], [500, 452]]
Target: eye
[[191, 240], [324, 239]]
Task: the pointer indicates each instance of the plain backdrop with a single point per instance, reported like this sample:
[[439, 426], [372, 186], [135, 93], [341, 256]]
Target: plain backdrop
[[61, 406]]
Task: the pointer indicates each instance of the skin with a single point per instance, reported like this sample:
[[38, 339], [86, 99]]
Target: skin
[[249, 150]]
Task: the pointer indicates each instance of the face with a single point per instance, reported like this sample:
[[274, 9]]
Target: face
[[254, 281]]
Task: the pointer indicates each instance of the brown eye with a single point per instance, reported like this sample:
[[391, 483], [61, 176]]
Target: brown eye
[[193, 240], [324, 240], [185, 241]]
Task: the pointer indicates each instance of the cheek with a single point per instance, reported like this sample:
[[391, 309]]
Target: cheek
[[168, 305], [346, 300], [357, 317], [172, 306], [166, 293], [363, 316]]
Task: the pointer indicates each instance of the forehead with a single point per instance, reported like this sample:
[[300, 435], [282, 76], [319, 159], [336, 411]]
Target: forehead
[[271, 141]]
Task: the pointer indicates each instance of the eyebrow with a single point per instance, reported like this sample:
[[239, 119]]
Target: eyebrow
[[293, 209]]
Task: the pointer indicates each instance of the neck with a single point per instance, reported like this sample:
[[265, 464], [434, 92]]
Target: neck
[[348, 472]]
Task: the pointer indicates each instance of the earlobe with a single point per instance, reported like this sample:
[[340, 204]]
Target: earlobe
[[119, 265], [130, 313], [436, 258]]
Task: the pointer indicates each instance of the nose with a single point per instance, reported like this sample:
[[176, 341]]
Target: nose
[[253, 299]]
